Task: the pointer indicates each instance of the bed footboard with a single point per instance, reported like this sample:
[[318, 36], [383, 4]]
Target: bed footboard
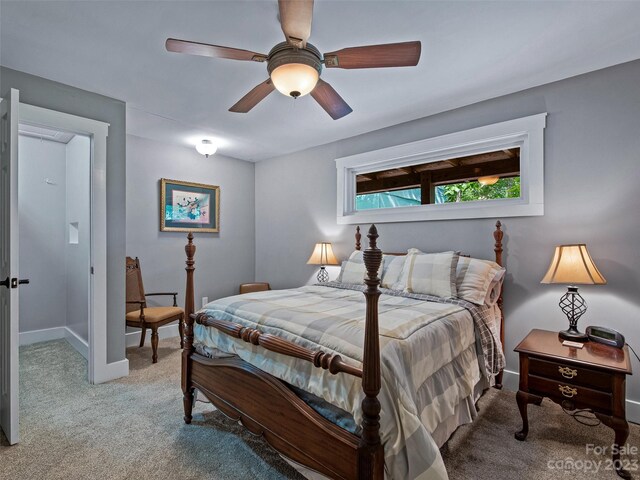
[[273, 343], [268, 408]]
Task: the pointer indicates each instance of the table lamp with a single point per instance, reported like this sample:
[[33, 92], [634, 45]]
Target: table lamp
[[323, 255], [572, 265]]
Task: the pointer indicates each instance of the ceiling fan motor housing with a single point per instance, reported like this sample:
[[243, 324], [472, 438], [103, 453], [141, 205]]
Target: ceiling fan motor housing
[[284, 54]]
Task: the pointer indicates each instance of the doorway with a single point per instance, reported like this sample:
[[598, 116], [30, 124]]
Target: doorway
[[54, 218], [13, 113]]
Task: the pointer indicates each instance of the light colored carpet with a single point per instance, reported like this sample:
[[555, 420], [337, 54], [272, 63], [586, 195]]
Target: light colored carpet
[[487, 449], [132, 429]]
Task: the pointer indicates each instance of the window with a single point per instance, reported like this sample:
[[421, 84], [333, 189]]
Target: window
[[490, 171], [486, 176]]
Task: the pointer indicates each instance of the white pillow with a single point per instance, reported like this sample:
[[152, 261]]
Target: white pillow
[[494, 289], [430, 273], [392, 269], [353, 270], [474, 279]]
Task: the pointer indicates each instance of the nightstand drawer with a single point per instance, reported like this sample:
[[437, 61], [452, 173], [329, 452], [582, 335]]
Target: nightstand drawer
[[564, 373], [581, 397]]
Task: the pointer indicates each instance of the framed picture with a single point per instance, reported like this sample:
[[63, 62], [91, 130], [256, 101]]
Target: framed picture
[[189, 207]]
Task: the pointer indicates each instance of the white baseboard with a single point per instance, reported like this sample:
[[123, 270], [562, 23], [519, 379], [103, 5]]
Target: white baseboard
[[111, 371], [56, 333], [633, 411], [77, 342], [167, 331], [44, 335], [511, 380]]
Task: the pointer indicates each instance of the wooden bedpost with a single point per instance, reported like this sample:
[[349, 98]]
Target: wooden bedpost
[[497, 236], [358, 237], [187, 389], [370, 453]]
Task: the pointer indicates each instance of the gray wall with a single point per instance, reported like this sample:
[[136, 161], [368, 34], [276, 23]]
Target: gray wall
[[63, 98], [42, 233], [592, 170], [78, 255], [223, 260]]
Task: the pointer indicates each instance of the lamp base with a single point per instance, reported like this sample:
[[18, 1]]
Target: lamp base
[[573, 306], [323, 275], [573, 335]]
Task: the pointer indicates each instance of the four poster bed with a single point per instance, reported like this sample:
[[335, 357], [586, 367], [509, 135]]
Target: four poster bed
[[271, 375]]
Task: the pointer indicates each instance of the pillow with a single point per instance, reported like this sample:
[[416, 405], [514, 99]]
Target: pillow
[[494, 289], [474, 279], [392, 269], [353, 270], [430, 273]]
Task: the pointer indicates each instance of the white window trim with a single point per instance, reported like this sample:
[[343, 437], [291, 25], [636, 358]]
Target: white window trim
[[527, 133]]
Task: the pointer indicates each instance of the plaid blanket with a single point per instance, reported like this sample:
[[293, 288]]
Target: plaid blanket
[[484, 318], [430, 357]]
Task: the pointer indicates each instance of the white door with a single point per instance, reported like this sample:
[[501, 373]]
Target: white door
[[9, 266]]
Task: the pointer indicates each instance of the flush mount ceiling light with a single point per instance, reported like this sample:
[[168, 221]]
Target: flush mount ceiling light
[[488, 180], [206, 148]]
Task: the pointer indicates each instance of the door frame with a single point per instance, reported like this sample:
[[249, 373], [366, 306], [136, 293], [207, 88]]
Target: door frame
[[99, 370]]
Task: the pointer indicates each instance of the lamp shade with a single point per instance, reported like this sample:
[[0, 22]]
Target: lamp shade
[[573, 265], [323, 255], [295, 79]]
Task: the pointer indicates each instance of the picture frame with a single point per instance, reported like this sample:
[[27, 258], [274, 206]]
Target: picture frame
[[189, 207]]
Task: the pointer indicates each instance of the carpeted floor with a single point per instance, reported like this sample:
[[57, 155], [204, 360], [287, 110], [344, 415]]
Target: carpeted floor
[[132, 429]]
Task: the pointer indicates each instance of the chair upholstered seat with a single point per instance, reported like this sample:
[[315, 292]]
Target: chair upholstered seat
[[155, 314]]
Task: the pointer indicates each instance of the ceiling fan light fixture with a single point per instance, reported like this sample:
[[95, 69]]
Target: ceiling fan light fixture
[[295, 79], [206, 148]]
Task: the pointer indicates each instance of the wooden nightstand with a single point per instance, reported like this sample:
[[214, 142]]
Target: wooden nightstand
[[591, 377]]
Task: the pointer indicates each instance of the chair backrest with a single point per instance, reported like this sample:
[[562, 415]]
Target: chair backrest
[[135, 289], [254, 287]]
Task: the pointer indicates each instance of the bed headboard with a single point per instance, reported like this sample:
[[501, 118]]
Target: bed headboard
[[497, 248]]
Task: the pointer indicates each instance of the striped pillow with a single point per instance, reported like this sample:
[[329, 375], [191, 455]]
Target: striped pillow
[[392, 269], [493, 295], [430, 273], [353, 270], [476, 279]]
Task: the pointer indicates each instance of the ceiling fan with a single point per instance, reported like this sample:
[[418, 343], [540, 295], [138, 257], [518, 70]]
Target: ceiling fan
[[295, 66]]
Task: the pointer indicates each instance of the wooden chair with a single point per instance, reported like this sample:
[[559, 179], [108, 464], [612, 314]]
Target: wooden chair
[[254, 287], [141, 316]]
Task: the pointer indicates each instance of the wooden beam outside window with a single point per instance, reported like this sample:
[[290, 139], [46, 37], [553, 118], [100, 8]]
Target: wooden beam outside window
[[504, 168]]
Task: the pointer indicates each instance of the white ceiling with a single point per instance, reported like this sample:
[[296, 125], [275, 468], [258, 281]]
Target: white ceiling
[[471, 51]]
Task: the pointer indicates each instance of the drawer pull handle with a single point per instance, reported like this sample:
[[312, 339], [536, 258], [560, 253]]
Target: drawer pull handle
[[567, 391], [567, 372]]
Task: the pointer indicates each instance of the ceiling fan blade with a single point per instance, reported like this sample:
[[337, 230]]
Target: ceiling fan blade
[[255, 96], [216, 51], [329, 99], [295, 19], [406, 54]]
